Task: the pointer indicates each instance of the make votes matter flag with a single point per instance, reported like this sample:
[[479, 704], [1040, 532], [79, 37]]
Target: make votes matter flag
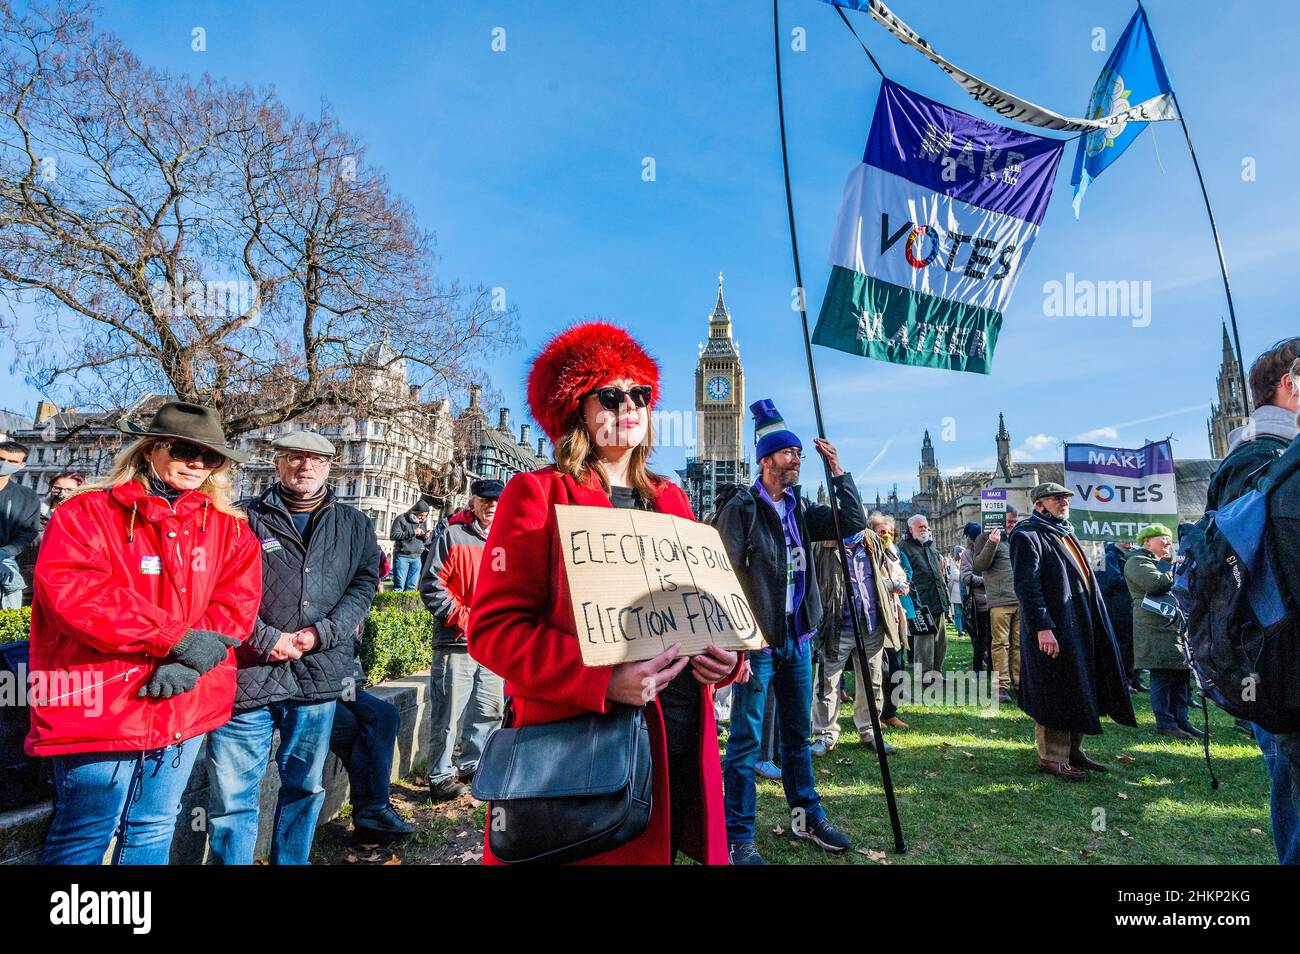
[[933, 230], [1133, 88], [1120, 490]]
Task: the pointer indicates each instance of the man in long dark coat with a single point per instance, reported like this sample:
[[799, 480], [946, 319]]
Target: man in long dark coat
[[1071, 673]]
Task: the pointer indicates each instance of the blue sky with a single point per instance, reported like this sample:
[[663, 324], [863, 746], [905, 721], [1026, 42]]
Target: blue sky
[[528, 164]]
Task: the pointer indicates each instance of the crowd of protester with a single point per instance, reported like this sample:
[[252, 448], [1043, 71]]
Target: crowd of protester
[[187, 623]]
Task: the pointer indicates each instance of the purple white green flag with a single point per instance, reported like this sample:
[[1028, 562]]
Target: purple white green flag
[[1120, 490], [933, 230]]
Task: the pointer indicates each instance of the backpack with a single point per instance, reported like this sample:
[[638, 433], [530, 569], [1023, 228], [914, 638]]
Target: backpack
[[1242, 636], [748, 513]]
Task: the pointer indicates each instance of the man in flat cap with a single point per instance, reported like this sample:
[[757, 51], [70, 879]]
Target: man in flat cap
[[1070, 669], [320, 571], [466, 699]]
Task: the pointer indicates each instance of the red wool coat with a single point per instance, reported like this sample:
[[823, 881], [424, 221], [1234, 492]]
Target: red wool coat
[[522, 628], [106, 611]]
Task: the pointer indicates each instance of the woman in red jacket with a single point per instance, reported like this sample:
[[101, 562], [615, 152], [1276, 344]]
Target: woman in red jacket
[[591, 390], [144, 582]]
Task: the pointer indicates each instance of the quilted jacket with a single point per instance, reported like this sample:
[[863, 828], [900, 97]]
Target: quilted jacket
[[329, 583]]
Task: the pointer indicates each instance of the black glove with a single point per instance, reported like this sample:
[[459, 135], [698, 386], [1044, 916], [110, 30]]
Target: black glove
[[202, 649], [170, 679]]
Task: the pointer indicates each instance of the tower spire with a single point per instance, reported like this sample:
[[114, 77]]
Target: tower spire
[[720, 312]]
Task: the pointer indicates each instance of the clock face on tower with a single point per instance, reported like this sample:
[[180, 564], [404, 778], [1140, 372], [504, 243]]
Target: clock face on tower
[[718, 388]]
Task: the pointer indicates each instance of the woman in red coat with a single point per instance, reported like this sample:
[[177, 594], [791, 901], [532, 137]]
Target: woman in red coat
[[144, 582], [591, 389]]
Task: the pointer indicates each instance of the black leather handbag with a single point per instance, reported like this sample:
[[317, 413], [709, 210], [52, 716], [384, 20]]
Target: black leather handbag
[[567, 790]]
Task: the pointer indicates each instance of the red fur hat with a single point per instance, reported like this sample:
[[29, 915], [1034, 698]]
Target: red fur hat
[[581, 359]]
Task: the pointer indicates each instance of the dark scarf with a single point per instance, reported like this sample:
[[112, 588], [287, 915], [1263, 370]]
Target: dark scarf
[[1055, 524], [160, 488], [300, 503]]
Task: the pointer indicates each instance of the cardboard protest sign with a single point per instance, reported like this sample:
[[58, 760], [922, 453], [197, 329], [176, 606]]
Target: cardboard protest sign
[[993, 509], [641, 581]]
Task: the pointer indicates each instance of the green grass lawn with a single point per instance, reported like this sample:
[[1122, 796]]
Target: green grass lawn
[[969, 793]]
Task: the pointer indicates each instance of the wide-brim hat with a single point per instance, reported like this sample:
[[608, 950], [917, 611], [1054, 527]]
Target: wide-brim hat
[[580, 360], [189, 422]]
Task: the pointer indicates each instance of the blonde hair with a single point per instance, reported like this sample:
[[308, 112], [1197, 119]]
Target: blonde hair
[[576, 454], [131, 463]]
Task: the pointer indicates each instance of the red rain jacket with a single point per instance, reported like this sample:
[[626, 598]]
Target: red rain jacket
[[521, 627], [107, 610]]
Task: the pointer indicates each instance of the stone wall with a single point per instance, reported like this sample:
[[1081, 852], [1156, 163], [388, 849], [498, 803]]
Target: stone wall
[[22, 832]]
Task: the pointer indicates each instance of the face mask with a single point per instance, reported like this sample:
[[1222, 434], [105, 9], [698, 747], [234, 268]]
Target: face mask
[[888, 539], [8, 468]]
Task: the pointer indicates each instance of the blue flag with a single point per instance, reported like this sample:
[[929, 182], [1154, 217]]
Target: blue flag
[[1134, 89]]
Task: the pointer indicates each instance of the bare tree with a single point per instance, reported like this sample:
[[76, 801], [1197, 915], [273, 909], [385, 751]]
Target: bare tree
[[189, 236]]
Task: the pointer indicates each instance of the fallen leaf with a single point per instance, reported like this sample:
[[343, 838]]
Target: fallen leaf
[[462, 834], [368, 847], [1257, 831], [373, 856], [931, 773], [393, 860], [873, 855], [945, 745], [969, 755], [1124, 833], [844, 761], [1125, 760], [351, 859], [1061, 850], [1121, 794], [825, 771], [947, 758], [778, 830], [1086, 852]]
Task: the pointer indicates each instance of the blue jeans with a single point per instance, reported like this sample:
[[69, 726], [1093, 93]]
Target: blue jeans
[[788, 673], [364, 733], [406, 572], [134, 796], [1282, 756], [1169, 697], [957, 619], [237, 759], [466, 703]]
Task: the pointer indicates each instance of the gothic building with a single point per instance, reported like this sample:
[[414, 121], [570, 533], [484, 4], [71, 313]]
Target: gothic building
[[720, 456], [955, 499], [1233, 409]]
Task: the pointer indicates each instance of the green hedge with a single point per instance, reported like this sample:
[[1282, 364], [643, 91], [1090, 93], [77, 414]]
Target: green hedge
[[407, 601], [397, 640], [15, 624]]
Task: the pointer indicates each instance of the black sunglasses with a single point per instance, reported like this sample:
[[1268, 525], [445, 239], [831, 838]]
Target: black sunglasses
[[188, 453], [611, 399]]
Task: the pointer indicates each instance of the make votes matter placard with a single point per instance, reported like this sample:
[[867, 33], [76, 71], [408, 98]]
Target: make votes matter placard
[[641, 581], [993, 509]]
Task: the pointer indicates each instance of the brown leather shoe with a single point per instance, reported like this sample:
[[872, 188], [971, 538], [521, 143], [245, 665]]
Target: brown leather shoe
[[894, 722], [1062, 770], [1079, 760]]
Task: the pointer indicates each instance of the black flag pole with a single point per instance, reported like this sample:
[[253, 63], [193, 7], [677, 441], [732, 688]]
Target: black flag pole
[[1218, 243], [1218, 247], [859, 643]]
